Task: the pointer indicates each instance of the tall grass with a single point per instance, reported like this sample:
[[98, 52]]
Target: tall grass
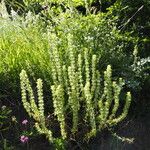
[[22, 46]]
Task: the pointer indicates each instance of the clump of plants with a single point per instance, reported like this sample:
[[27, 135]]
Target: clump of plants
[[70, 51], [78, 96]]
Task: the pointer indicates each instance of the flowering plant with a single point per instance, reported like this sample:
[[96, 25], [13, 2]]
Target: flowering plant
[[24, 139], [25, 122]]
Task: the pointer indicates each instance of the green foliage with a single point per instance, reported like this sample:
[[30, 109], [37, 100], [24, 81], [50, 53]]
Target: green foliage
[[141, 71], [59, 144], [5, 126], [75, 84], [54, 46], [25, 42], [94, 32], [22, 45], [64, 2], [131, 21], [51, 41], [5, 145], [4, 118], [142, 67]]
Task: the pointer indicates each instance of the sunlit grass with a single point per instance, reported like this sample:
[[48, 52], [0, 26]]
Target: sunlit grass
[[23, 46]]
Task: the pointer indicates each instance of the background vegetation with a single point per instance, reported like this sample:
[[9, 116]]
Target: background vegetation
[[117, 31]]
